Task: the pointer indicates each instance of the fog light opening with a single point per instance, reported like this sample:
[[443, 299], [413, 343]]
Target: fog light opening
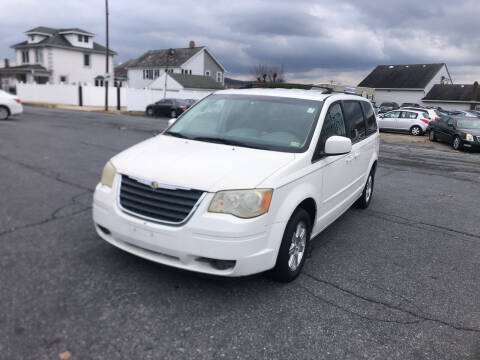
[[104, 230], [218, 264]]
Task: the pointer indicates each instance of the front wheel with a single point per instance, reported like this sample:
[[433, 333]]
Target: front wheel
[[4, 113], [416, 130], [173, 114], [293, 249], [457, 143], [367, 193], [431, 136], [149, 111]]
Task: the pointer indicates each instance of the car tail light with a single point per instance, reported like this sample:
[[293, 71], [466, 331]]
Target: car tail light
[[424, 120], [17, 100], [183, 107]]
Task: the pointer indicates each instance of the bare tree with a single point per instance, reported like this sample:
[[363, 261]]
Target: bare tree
[[263, 73]]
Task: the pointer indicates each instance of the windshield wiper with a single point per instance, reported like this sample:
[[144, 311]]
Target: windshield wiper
[[176, 134], [229, 142]]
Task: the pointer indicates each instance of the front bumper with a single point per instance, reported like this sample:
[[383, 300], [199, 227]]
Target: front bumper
[[471, 144], [250, 245]]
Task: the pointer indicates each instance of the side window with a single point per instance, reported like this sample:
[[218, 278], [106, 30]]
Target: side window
[[369, 117], [408, 115], [393, 114], [354, 120], [333, 124]]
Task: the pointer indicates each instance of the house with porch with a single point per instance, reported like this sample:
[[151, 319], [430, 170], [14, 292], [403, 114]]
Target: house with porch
[[57, 56]]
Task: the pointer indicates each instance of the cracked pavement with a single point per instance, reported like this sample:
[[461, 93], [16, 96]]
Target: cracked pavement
[[397, 281]]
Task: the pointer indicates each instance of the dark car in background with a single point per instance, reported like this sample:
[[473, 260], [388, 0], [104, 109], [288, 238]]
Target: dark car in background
[[388, 106], [168, 107], [407, 104], [460, 132]]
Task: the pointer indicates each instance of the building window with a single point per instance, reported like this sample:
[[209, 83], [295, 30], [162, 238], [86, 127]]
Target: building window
[[86, 59], [207, 73], [157, 73], [25, 58], [219, 76], [79, 38], [38, 56], [63, 79], [32, 37]]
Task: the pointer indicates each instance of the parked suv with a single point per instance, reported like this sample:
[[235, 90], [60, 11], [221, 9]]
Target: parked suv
[[168, 107], [241, 182], [413, 122], [388, 106], [9, 105]]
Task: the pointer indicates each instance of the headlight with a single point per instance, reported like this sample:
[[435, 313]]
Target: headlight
[[242, 203], [469, 137], [108, 174]]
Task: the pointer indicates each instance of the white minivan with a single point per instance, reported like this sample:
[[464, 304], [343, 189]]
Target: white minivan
[[241, 182]]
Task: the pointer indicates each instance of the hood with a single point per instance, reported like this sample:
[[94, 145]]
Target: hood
[[199, 165], [474, 132]]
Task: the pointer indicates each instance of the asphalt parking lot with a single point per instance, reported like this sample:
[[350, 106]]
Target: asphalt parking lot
[[397, 281]]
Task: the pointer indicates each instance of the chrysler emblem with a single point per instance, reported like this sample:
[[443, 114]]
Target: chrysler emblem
[[154, 184]]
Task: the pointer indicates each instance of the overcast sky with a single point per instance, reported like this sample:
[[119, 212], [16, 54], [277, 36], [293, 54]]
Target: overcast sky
[[314, 40]]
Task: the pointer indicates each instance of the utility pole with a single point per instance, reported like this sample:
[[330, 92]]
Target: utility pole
[[106, 56], [171, 53]]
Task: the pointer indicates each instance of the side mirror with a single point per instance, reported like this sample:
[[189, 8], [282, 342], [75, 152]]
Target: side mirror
[[338, 145], [171, 121]]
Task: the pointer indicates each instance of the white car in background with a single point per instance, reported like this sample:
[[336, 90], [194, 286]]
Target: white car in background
[[241, 182], [431, 112], [413, 122], [9, 105]]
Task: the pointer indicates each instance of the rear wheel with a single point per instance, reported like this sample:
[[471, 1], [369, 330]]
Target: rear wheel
[[416, 130], [293, 249], [457, 143], [432, 136], [4, 113]]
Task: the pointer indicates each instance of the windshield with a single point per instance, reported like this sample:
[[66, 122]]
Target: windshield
[[468, 124], [264, 122]]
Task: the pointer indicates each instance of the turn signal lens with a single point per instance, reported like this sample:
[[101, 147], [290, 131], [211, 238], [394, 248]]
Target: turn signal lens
[[242, 203], [108, 174]]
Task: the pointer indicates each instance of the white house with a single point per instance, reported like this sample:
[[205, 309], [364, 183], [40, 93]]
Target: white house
[[192, 60], [454, 97], [405, 83], [58, 56]]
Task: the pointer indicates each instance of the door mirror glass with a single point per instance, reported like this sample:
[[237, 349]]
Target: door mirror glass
[[171, 121], [338, 145]]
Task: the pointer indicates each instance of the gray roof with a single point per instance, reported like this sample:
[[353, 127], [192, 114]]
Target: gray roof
[[451, 92], [49, 30], [196, 81], [120, 70], [58, 40], [159, 58], [23, 69], [415, 76]]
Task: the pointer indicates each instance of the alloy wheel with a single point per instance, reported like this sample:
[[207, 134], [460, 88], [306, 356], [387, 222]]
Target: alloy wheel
[[3, 113], [369, 188], [297, 246]]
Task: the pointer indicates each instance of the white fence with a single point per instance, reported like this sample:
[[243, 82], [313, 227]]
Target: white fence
[[132, 99]]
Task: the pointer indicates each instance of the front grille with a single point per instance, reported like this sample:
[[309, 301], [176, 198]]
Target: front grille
[[160, 204]]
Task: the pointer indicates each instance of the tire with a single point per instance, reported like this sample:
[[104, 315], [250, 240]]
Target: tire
[[457, 143], [149, 111], [4, 113], [416, 130], [294, 247], [432, 136], [364, 201], [173, 114]]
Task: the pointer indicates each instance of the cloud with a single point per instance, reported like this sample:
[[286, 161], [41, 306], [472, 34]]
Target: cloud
[[314, 40]]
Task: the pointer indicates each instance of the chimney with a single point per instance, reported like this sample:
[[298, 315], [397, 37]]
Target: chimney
[[7, 63], [191, 44]]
